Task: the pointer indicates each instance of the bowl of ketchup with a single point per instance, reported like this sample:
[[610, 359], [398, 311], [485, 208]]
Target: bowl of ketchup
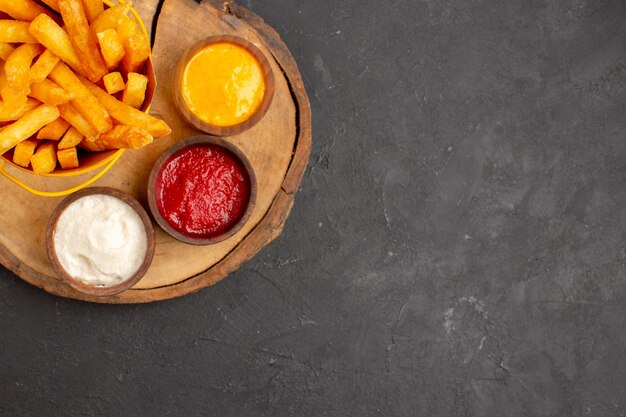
[[202, 190]]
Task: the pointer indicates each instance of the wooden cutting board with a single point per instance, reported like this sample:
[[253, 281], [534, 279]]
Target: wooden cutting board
[[278, 148]]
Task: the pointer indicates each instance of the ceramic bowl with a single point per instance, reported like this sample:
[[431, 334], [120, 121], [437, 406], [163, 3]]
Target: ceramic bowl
[[193, 141], [78, 284], [223, 130]]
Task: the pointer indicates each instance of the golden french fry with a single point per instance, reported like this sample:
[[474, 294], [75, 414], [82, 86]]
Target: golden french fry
[[53, 4], [11, 98], [48, 92], [22, 9], [137, 51], [15, 31], [84, 101], [121, 136], [52, 36], [93, 8], [54, 130], [23, 151], [71, 138], [111, 47], [68, 158], [45, 158], [69, 113], [43, 66], [126, 115], [18, 64], [84, 40], [135, 92], [9, 113], [5, 50], [113, 82], [110, 18], [126, 29], [27, 126]]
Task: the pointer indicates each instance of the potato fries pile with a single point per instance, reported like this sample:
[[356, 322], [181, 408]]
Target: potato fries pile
[[71, 76]]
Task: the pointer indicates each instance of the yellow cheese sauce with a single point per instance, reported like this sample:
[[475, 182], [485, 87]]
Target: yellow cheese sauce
[[223, 84]]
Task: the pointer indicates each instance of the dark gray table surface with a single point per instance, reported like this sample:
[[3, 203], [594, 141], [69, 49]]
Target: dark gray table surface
[[457, 247]]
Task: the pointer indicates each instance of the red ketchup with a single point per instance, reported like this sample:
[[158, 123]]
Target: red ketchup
[[202, 191]]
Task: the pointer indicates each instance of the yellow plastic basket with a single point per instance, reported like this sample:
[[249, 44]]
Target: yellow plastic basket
[[89, 162]]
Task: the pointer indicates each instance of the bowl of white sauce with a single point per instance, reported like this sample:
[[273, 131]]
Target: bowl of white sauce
[[100, 241]]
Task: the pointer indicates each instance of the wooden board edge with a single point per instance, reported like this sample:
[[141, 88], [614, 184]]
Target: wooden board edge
[[265, 232], [268, 229], [288, 65]]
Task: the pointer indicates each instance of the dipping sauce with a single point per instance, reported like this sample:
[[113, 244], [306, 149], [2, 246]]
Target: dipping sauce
[[100, 240], [223, 84], [202, 191]]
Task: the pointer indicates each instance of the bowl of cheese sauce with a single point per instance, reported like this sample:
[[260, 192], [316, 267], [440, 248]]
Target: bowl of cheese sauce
[[223, 85], [100, 241]]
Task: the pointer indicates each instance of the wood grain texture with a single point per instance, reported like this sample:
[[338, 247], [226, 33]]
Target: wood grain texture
[[278, 147]]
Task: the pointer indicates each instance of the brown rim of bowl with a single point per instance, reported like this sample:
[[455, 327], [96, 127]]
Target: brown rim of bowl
[[79, 285], [201, 140], [268, 76]]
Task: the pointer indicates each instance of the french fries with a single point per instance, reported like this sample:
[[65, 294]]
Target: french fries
[[93, 8], [53, 4], [126, 29], [83, 39], [47, 32], [53, 62], [126, 115], [43, 66], [137, 51], [68, 158], [135, 92], [22, 9], [18, 64], [45, 158], [5, 50], [24, 151], [69, 113], [84, 101], [121, 136], [113, 82], [111, 18], [71, 138], [10, 97], [9, 113], [111, 46], [15, 31], [48, 92], [27, 126], [54, 130]]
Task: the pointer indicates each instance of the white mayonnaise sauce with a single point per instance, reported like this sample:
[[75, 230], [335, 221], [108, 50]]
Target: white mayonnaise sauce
[[100, 240]]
